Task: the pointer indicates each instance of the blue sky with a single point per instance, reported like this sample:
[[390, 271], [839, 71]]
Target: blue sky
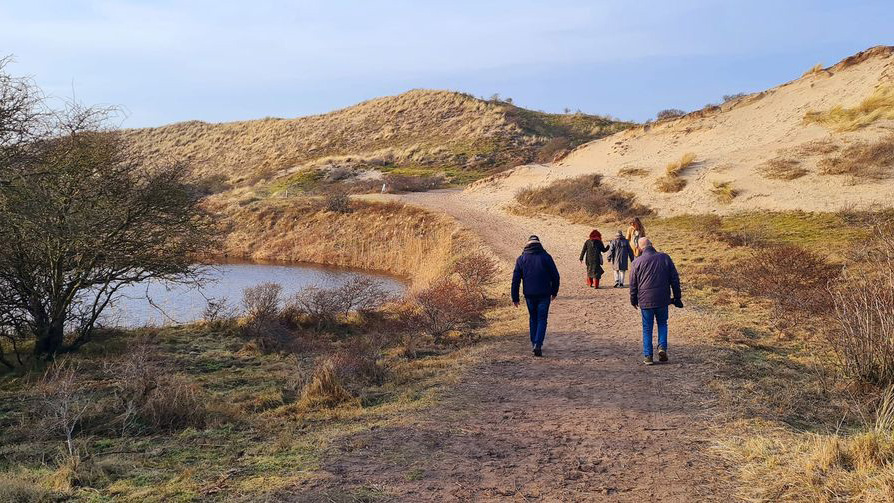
[[215, 60]]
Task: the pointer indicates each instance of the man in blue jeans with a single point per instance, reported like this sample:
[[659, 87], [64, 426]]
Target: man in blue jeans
[[654, 285], [537, 270]]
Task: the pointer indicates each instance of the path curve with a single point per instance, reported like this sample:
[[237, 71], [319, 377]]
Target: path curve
[[586, 423]]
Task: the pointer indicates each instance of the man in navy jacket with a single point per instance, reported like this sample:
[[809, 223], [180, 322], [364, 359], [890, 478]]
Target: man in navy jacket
[[537, 270], [654, 285]]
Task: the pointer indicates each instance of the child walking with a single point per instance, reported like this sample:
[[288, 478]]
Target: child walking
[[620, 255], [592, 252]]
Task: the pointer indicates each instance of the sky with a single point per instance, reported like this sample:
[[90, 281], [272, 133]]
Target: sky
[[216, 60]]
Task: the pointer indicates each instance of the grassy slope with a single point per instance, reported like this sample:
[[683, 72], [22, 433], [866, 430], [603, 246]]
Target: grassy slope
[[423, 130]]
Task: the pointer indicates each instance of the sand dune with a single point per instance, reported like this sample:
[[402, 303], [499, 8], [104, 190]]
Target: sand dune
[[733, 142]]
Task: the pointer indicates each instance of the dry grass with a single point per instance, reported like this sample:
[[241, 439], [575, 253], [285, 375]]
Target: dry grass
[[873, 161], [676, 168], [669, 183], [786, 467], [880, 105], [421, 129], [631, 172], [387, 237], [782, 168], [817, 68], [581, 198], [724, 192]]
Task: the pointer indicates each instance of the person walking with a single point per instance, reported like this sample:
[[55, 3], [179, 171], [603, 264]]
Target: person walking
[[538, 272], [620, 255], [654, 285], [592, 253], [634, 232]]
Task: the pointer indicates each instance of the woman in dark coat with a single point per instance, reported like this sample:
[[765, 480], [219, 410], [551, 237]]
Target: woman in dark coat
[[620, 255], [592, 252]]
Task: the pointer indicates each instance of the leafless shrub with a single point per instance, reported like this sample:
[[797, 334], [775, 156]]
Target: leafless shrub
[[734, 96], [338, 202], [62, 401], [864, 310], [447, 307], [323, 306], [794, 280], [218, 312], [670, 113], [262, 301], [476, 271]]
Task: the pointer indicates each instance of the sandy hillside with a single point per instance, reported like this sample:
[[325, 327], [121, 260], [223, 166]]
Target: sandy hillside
[[419, 129], [734, 142]]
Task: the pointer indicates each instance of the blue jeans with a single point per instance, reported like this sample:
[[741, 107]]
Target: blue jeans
[[650, 316], [538, 311]]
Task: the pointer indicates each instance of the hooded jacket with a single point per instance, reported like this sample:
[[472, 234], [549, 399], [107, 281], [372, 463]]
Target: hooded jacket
[[653, 277], [592, 252], [620, 253], [537, 270]]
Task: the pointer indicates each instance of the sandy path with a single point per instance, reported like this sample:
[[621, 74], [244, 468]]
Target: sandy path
[[586, 423]]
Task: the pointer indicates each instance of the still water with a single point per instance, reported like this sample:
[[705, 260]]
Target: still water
[[154, 303]]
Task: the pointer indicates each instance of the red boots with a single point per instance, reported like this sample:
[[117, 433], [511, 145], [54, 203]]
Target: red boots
[[593, 282]]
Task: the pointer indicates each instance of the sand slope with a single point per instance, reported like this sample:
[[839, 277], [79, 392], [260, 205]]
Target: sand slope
[[731, 142]]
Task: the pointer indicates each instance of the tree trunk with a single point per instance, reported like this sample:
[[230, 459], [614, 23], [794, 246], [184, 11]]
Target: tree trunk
[[50, 339]]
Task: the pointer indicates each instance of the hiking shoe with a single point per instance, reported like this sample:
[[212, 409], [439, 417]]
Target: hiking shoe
[[648, 361], [538, 352], [662, 355]]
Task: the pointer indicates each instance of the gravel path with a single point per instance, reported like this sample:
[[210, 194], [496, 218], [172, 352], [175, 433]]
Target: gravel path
[[588, 422]]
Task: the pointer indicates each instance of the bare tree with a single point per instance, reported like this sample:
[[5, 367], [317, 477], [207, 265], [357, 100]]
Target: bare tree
[[81, 217], [62, 402]]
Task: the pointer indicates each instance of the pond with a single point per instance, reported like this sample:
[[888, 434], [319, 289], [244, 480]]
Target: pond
[[154, 303]]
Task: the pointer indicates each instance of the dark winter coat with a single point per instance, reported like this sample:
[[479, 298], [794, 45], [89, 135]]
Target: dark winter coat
[[538, 271], [592, 252], [620, 254], [653, 277]]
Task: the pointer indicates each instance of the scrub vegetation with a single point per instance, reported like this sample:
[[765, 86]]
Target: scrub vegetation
[[579, 199], [880, 105], [671, 181], [805, 345]]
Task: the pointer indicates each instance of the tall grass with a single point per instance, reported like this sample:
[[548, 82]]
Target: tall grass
[[817, 68], [879, 105], [671, 181]]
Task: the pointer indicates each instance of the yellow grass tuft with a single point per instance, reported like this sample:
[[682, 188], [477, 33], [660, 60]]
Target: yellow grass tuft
[[817, 68], [724, 192], [880, 105], [677, 167]]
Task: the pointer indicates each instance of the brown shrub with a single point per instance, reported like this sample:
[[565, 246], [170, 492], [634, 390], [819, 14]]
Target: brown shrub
[[323, 306], [338, 202], [25, 489], [62, 400], [872, 161], [670, 113], [584, 194], [668, 183], [476, 271], [408, 183], [554, 149], [781, 168], [134, 378], [445, 307], [794, 280]]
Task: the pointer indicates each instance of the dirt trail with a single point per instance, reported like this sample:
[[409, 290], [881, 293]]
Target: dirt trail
[[586, 423]]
